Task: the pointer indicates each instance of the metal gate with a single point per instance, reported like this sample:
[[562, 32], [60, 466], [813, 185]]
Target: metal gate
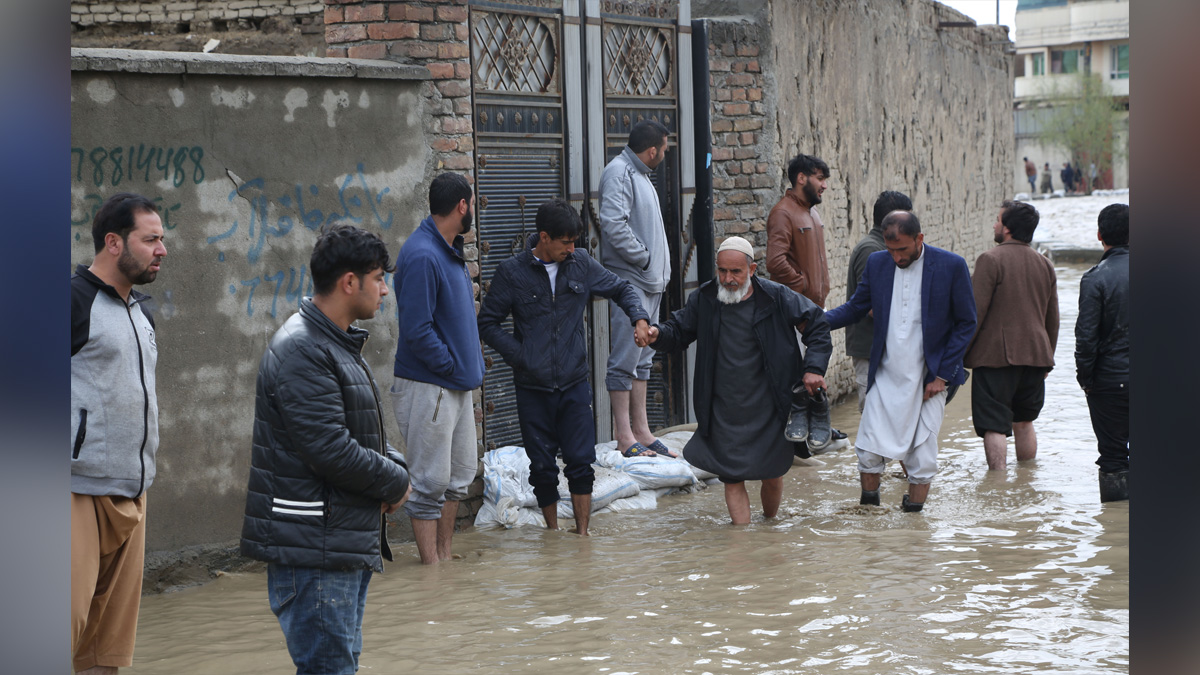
[[541, 85]]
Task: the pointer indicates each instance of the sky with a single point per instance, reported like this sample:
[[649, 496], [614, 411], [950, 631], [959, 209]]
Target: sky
[[984, 11]]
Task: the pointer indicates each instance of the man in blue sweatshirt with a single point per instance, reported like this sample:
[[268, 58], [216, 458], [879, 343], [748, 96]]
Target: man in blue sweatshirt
[[438, 363], [547, 288]]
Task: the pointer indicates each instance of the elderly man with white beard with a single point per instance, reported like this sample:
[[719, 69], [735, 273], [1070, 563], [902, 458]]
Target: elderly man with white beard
[[747, 363]]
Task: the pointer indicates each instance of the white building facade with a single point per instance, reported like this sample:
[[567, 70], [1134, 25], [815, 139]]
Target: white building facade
[[1055, 41]]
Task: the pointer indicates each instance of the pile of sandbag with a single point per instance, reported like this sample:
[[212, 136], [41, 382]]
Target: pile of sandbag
[[621, 483]]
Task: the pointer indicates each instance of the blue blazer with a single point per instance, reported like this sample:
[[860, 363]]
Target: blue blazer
[[947, 311]]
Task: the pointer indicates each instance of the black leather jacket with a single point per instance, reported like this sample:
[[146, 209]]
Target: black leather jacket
[[548, 346], [1102, 329], [320, 465], [777, 310]]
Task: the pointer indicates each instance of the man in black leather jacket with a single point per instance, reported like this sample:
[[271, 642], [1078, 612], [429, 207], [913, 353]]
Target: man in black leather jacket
[[322, 474], [1102, 350], [547, 288]]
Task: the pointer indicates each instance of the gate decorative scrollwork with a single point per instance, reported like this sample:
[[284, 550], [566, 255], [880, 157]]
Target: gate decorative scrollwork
[[514, 52], [637, 60]]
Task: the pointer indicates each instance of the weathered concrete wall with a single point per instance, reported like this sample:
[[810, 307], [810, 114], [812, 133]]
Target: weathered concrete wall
[[887, 99], [247, 157]]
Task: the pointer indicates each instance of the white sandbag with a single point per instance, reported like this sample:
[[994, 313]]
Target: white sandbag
[[607, 487]]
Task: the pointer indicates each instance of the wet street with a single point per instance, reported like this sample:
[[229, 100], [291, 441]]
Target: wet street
[[1022, 571]]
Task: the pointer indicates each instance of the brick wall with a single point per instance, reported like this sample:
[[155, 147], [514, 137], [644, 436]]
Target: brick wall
[[85, 14], [746, 173]]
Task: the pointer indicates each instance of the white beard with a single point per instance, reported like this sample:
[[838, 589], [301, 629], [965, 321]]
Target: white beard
[[728, 297]]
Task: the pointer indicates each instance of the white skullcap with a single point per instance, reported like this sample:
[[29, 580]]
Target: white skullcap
[[737, 244]]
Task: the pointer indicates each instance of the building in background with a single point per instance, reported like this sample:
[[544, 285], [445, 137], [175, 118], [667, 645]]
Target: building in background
[[1057, 41]]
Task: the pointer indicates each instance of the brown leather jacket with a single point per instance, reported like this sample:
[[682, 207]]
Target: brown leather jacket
[[796, 248]]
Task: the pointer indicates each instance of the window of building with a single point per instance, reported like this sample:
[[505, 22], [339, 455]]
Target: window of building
[[1039, 64], [1120, 63], [1019, 66], [1064, 61]]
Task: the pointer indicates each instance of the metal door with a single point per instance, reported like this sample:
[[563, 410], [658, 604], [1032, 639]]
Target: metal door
[[517, 63]]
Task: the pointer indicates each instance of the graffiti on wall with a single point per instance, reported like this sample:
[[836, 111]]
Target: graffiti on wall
[[276, 211]]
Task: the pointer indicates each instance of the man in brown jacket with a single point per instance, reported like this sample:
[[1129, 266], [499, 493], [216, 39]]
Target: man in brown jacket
[[1016, 300], [796, 259], [795, 233]]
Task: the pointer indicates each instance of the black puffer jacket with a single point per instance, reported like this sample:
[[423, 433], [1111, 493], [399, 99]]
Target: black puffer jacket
[[777, 310], [320, 466], [1102, 329]]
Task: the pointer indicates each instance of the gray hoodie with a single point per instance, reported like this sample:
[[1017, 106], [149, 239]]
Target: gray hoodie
[[114, 407], [633, 241]]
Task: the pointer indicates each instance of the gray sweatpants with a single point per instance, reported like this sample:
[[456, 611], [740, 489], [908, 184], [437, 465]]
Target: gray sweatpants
[[626, 360], [438, 426]]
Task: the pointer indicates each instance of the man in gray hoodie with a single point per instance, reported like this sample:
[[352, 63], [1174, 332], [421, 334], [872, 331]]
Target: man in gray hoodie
[[633, 245], [113, 354]]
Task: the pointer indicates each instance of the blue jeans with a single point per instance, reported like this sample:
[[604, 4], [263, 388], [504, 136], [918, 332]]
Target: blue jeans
[[321, 614]]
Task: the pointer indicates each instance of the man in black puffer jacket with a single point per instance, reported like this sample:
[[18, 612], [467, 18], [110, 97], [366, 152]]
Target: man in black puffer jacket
[[546, 288], [322, 474], [1102, 350]]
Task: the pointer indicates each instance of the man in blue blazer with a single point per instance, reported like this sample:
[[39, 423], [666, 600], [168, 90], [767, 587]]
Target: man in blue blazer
[[924, 310]]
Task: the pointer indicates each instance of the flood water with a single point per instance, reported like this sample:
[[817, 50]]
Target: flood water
[[1022, 571]]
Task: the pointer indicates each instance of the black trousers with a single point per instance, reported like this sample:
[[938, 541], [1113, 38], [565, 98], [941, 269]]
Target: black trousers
[[552, 421], [1110, 421]]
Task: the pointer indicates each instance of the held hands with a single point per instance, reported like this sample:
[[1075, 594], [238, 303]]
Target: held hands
[[389, 509], [812, 382], [934, 388], [644, 334]]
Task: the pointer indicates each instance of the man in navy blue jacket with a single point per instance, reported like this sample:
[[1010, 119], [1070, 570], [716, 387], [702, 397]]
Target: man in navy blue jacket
[[546, 288], [924, 312], [438, 363]]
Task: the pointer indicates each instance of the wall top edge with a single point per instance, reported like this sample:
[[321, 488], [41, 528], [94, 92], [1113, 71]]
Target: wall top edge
[[163, 62]]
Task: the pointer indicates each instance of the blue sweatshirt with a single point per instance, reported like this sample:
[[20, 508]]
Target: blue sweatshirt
[[439, 337]]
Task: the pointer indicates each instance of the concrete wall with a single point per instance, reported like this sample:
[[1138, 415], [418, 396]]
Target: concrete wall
[[247, 157], [887, 99]]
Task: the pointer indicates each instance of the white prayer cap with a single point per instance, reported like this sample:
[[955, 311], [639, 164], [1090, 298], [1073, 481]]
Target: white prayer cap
[[737, 244]]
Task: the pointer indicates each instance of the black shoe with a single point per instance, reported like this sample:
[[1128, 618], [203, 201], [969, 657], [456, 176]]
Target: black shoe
[[910, 507], [870, 497], [837, 435], [820, 434], [797, 424], [1114, 487]]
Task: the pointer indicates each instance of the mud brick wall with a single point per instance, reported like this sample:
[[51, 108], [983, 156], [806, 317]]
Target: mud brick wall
[[885, 97]]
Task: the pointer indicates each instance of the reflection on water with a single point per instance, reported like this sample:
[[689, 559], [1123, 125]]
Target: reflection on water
[[1021, 571]]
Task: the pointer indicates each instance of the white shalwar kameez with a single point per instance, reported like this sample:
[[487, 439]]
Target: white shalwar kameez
[[896, 422]]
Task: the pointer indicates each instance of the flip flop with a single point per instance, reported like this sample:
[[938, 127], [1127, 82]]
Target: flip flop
[[638, 450], [661, 448]]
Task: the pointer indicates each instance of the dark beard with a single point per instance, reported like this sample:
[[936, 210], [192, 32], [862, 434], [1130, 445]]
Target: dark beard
[[466, 221], [810, 194], [128, 266], [999, 237]]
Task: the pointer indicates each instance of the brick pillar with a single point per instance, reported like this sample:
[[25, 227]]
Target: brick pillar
[[432, 34], [745, 184]]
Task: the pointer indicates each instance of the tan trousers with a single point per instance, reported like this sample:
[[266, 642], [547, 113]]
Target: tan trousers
[[108, 545]]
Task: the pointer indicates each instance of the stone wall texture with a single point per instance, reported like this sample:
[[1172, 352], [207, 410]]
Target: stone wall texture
[[885, 97], [115, 12]]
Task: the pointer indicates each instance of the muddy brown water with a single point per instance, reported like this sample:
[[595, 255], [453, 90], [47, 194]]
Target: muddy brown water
[[1021, 571]]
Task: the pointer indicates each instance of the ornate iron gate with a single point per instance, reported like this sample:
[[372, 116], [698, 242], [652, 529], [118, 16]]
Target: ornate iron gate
[[544, 127]]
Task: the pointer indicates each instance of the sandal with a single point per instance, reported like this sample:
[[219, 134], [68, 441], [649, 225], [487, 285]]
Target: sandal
[[638, 450], [661, 448]]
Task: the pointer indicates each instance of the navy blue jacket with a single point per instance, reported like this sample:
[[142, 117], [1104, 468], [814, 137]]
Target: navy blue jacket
[[439, 343], [548, 346], [947, 311]]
